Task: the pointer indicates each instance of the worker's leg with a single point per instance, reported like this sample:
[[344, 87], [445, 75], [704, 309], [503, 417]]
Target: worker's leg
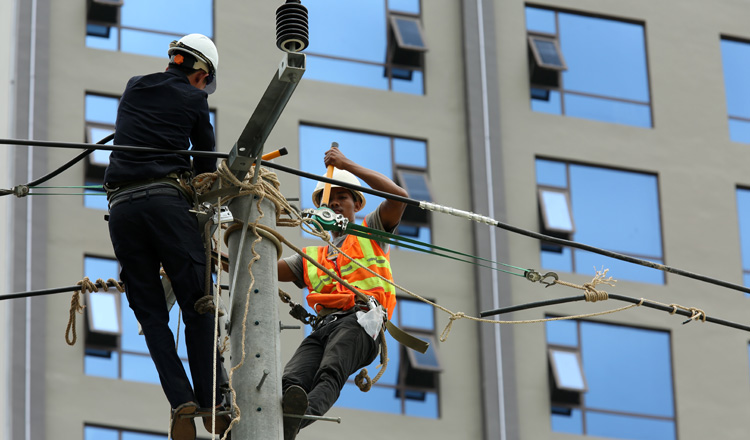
[[182, 254], [301, 368], [133, 245], [348, 348]]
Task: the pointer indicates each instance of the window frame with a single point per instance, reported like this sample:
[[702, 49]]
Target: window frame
[[541, 189], [554, 39]]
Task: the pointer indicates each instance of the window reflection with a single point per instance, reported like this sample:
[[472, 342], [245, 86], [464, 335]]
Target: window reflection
[[607, 73], [146, 27], [640, 410], [735, 57], [351, 45], [632, 226]]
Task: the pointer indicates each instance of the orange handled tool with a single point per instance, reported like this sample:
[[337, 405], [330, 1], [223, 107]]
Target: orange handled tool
[[327, 189], [274, 154]]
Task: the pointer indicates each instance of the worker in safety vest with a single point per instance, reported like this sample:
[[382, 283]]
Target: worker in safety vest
[[150, 222], [339, 345]]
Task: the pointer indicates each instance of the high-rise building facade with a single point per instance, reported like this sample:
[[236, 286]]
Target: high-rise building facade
[[623, 126]]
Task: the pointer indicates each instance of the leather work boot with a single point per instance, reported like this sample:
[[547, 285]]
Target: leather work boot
[[294, 403], [183, 426]]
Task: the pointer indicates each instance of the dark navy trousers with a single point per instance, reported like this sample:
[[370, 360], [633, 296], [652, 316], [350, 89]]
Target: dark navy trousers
[[149, 230], [325, 359]]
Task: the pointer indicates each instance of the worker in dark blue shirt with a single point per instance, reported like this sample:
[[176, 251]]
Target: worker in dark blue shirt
[[150, 222]]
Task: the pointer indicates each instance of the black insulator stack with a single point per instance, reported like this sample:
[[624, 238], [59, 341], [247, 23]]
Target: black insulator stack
[[291, 27]]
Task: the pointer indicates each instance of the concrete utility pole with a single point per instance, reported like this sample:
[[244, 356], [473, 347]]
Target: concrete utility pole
[[258, 381]]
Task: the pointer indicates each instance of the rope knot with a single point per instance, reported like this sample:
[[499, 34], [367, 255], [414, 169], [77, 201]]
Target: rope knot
[[363, 381], [77, 307], [454, 317]]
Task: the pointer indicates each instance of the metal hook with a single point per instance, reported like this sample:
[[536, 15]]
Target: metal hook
[[549, 275]]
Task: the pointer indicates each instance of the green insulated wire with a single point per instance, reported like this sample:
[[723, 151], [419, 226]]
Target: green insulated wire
[[397, 240]]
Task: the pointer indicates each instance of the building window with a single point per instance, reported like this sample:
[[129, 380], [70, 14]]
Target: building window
[[378, 44], [146, 27], [613, 406], [124, 354], [403, 160], [92, 432], [735, 57], [410, 384], [100, 114], [612, 209], [743, 214], [588, 67]]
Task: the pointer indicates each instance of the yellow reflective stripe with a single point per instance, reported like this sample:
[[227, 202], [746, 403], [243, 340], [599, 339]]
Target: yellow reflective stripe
[[312, 272]]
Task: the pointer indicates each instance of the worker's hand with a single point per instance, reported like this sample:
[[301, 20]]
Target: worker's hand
[[335, 157]]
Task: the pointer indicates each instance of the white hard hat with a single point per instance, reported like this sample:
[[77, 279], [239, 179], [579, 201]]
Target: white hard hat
[[204, 50], [343, 176]]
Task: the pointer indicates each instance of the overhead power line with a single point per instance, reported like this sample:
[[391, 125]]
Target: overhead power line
[[411, 202]]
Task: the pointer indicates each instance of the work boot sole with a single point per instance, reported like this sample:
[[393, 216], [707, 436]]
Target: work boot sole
[[294, 403], [183, 426]]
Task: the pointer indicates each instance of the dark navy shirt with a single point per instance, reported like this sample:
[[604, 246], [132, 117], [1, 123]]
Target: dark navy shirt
[[161, 110]]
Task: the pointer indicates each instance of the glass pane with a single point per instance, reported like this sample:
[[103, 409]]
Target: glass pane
[[739, 131], [139, 368], [427, 359], [735, 57], [413, 86], [410, 6], [127, 435], [571, 424], [540, 20], [416, 185], [95, 199], [423, 408], [95, 363], [555, 206], [104, 312], [104, 268], [551, 173], [346, 72], [568, 369], [350, 32], [633, 219], [410, 152], [547, 51], [416, 314], [185, 17], [743, 215], [611, 351], [551, 104], [109, 43], [146, 43], [95, 433], [563, 332], [607, 110], [100, 157], [604, 57], [625, 427], [130, 340], [559, 261], [102, 109], [408, 29], [373, 151], [378, 399]]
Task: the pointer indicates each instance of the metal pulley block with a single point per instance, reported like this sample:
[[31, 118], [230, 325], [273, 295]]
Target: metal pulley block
[[329, 220]]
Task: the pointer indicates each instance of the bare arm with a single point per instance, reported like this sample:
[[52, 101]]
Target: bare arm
[[390, 210], [285, 273]]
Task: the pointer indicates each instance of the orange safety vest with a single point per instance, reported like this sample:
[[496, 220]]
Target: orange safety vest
[[326, 291]]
